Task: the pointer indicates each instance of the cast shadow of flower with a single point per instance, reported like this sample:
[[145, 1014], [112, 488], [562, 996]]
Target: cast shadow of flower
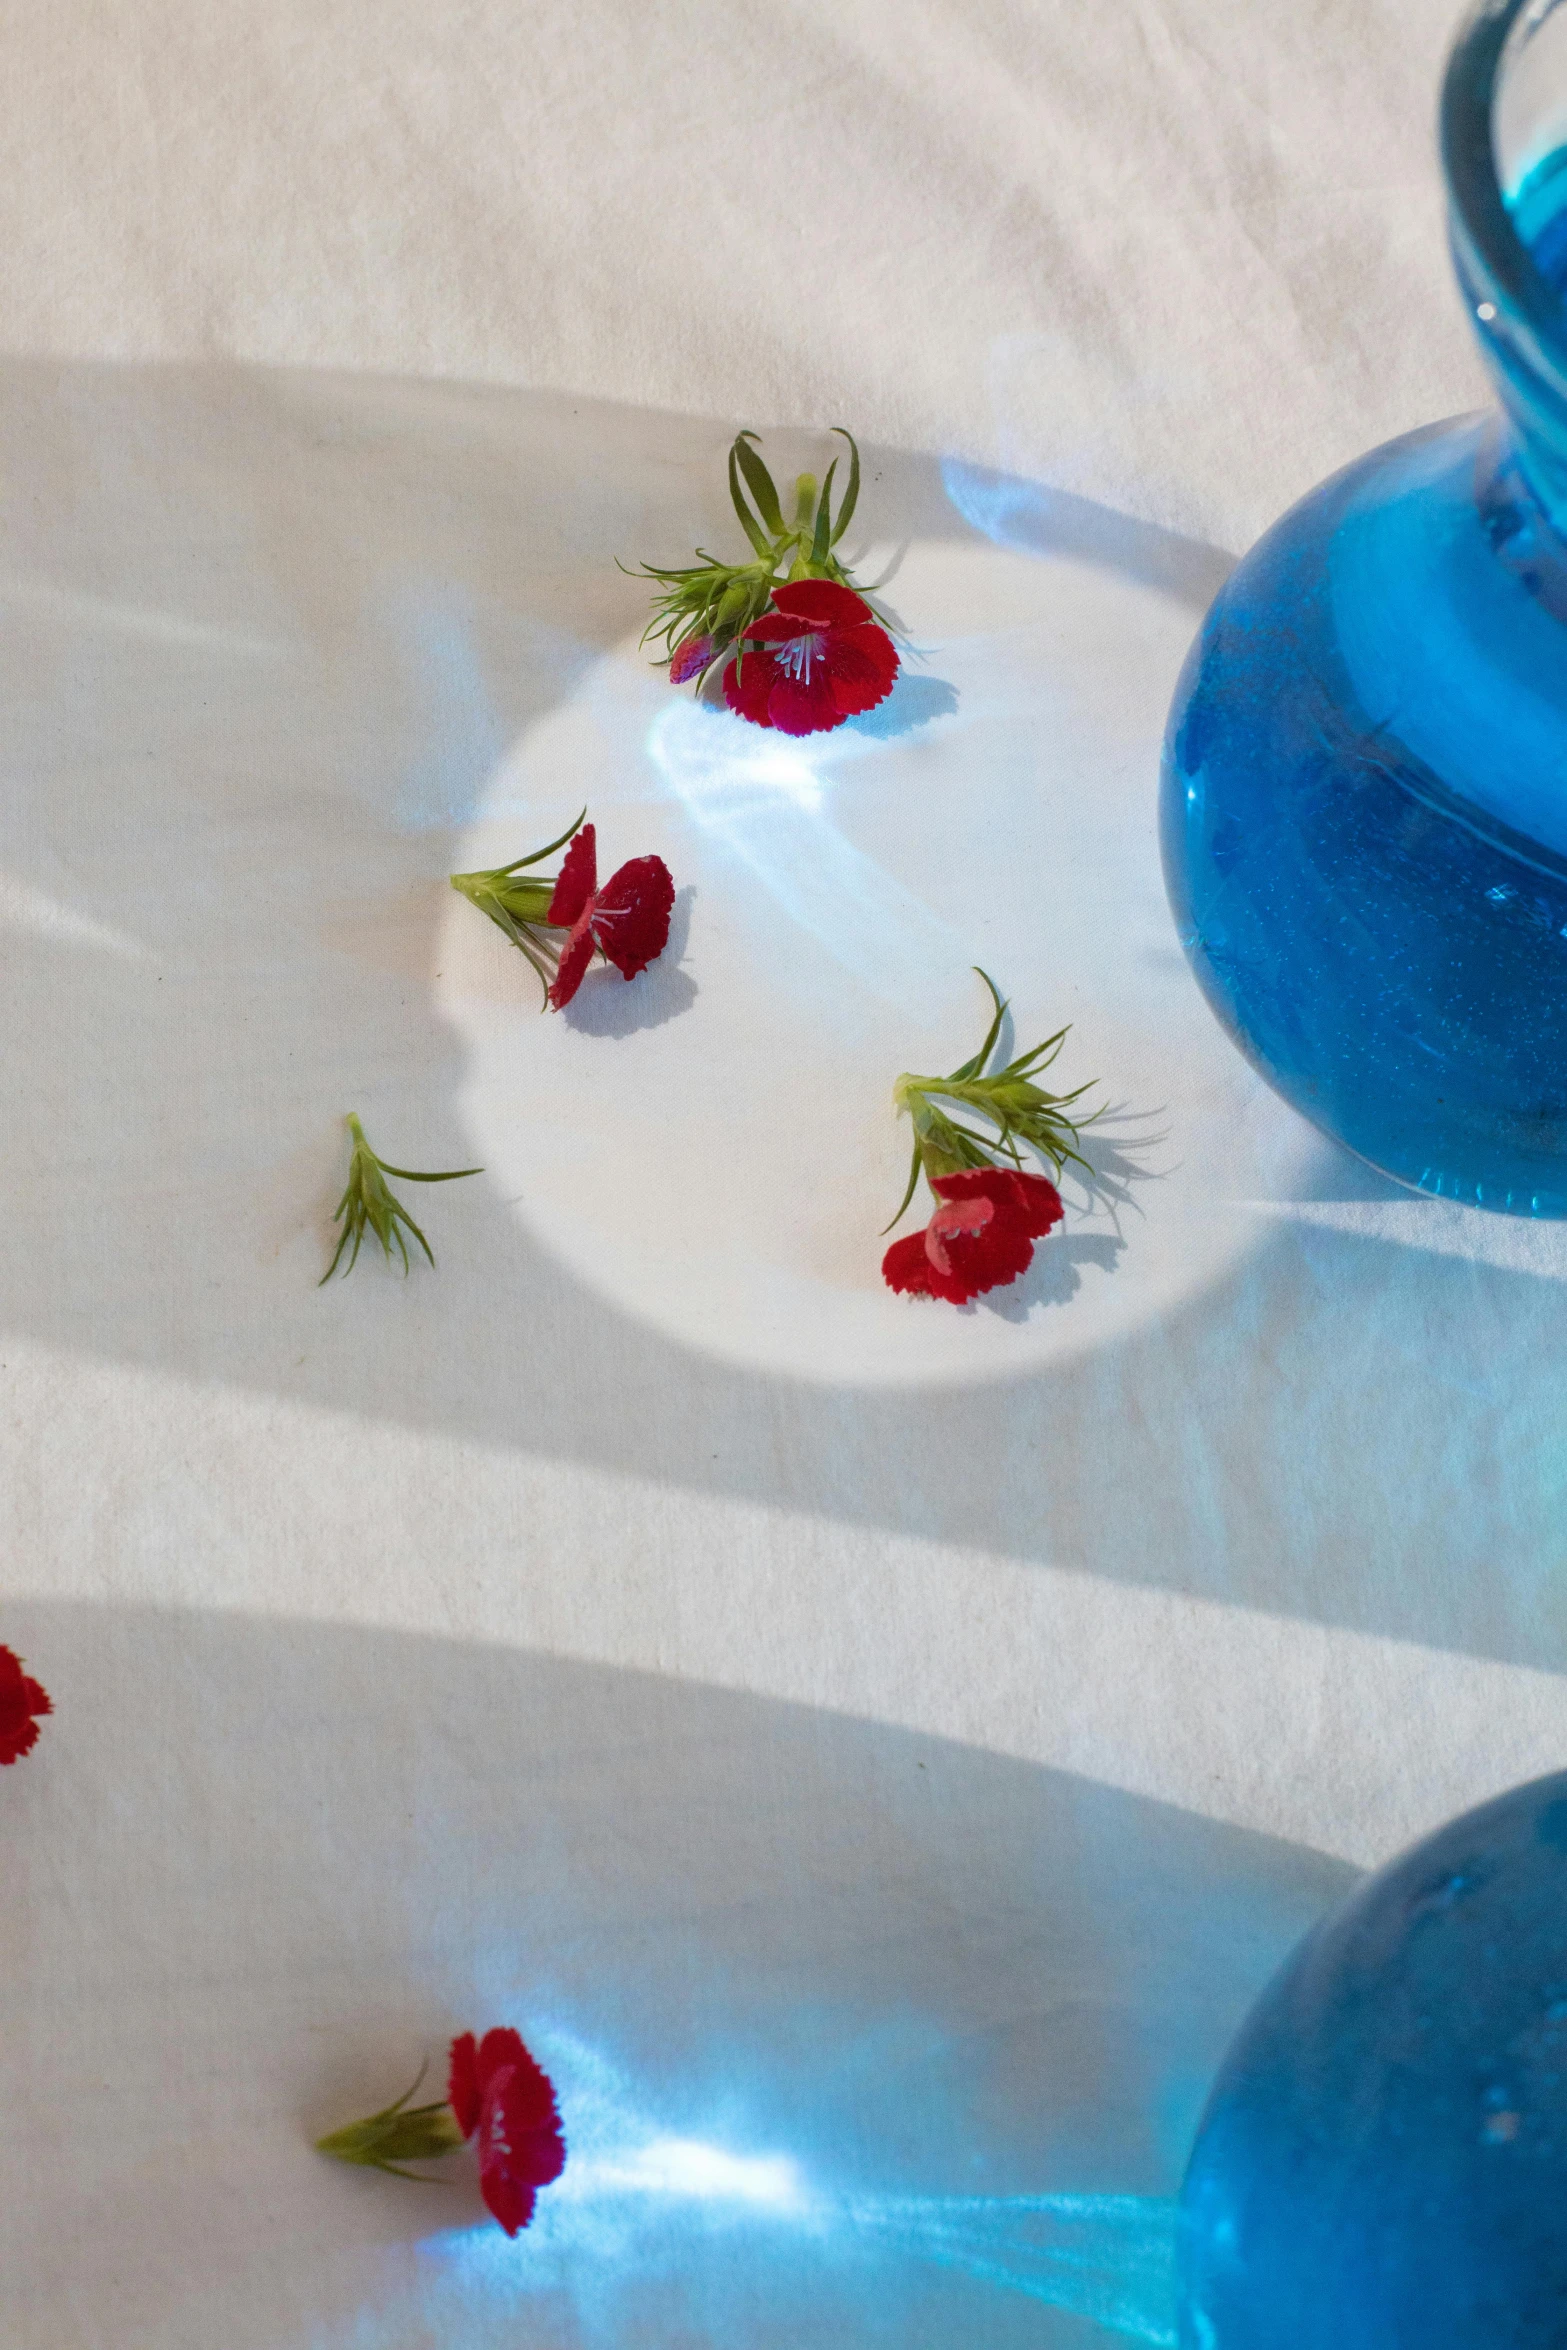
[[608, 1005], [1116, 1147], [1055, 1276], [913, 702]]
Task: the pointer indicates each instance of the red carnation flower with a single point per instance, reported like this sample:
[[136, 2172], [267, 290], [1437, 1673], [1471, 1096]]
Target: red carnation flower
[[817, 658], [23, 1704], [981, 1236], [627, 920], [496, 2089]]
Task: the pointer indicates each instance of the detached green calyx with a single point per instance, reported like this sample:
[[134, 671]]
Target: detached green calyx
[[1020, 1111], [707, 606], [519, 905], [399, 2134], [367, 1201]]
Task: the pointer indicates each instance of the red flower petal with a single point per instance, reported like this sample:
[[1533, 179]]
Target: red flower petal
[[577, 881], [1032, 1198], [572, 968], [956, 1219], [509, 2201], [821, 603], [863, 665], [778, 628], [748, 686], [690, 659], [521, 2147], [907, 1269], [1024, 1208], [805, 705], [630, 917], [21, 1700], [462, 2083], [18, 1735], [532, 2093]]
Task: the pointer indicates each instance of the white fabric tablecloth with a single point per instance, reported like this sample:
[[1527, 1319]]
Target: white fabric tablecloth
[[873, 1752]]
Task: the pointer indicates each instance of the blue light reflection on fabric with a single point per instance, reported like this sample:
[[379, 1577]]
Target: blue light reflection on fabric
[[744, 2233], [637, 2198], [1036, 518], [762, 797]]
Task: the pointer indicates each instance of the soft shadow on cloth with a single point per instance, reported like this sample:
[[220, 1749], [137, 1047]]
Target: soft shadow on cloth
[[860, 2036], [247, 596]]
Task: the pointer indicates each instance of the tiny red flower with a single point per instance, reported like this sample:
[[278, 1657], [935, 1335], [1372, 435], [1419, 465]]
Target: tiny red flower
[[496, 2089], [817, 658], [627, 920], [23, 1704], [981, 1236], [693, 656]]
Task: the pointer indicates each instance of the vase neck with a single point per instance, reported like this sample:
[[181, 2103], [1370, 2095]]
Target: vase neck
[[1504, 150]]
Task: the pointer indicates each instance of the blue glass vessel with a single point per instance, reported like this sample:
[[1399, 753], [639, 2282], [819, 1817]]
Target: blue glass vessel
[[1364, 806], [1383, 2161]]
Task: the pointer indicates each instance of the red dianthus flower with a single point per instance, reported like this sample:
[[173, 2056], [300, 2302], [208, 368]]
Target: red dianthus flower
[[496, 2089], [817, 658], [981, 1236], [23, 1703], [627, 920]]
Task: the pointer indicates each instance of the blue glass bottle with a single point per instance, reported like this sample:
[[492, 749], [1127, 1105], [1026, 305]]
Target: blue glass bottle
[[1364, 805], [1383, 2161]]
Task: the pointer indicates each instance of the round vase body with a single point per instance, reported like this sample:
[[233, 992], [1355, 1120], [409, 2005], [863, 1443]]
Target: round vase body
[[1365, 778], [1365, 819], [1383, 2161]]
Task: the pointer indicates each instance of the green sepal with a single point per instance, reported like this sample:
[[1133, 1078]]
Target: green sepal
[[748, 522], [760, 484], [820, 541], [851, 496], [397, 2134], [720, 601], [519, 864], [366, 1202], [914, 1176], [519, 906]]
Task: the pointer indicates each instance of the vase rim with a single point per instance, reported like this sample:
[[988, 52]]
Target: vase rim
[[1481, 217]]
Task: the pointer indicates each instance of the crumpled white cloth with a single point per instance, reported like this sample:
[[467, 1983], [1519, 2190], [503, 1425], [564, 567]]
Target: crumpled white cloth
[[1184, 256]]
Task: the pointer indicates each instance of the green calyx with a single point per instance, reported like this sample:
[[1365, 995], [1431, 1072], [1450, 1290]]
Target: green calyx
[[519, 903], [399, 2134], [367, 1203], [1019, 1110], [722, 601]]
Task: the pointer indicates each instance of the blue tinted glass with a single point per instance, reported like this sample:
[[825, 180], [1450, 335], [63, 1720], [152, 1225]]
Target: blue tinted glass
[[1539, 209], [1381, 2163], [1365, 818]]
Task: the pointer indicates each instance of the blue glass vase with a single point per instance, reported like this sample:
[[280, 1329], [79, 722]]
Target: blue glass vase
[[1383, 2161], [1364, 806]]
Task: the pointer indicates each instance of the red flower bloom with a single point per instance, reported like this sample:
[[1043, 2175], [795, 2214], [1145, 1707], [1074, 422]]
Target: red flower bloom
[[627, 920], [817, 658], [23, 1703], [693, 655], [496, 2088], [981, 1236]]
